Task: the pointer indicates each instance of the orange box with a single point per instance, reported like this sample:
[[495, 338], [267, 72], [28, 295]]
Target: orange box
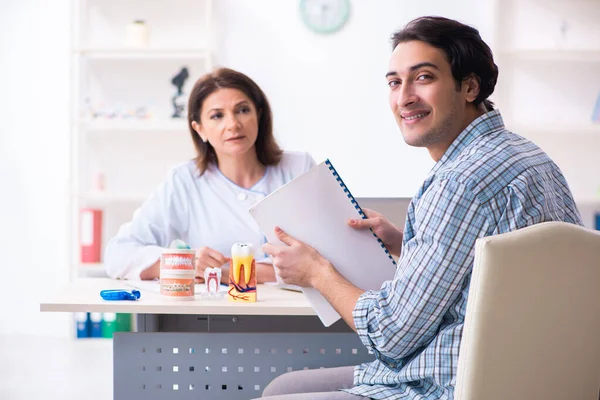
[[177, 284]]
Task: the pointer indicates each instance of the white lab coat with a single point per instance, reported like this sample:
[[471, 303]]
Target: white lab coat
[[209, 210]]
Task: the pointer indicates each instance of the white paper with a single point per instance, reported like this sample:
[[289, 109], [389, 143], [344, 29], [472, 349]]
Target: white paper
[[315, 209]]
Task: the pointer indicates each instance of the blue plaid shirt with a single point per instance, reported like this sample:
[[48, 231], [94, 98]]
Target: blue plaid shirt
[[489, 181]]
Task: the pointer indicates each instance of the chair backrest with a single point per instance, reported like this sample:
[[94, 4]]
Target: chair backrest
[[532, 329]]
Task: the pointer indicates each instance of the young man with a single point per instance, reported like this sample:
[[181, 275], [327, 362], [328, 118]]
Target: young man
[[486, 181]]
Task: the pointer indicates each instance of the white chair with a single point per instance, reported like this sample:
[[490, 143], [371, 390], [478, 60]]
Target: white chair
[[532, 329]]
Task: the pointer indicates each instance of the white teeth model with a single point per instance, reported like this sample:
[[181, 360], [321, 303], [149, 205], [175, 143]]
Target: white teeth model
[[241, 250], [242, 254]]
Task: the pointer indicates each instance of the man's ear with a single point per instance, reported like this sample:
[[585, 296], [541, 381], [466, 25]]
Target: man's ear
[[199, 130], [472, 86]]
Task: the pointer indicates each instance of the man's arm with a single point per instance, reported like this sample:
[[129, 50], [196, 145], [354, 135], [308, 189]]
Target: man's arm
[[323, 276], [406, 313], [339, 292], [300, 264]]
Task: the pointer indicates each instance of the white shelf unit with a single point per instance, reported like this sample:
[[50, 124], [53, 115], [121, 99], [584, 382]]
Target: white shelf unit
[[91, 270], [554, 55], [123, 137], [560, 129], [549, 82], [123, 53], [105, 198], [156, 125]]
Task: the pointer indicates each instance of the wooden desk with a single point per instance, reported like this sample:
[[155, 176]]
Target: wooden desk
[[84, 295], [213, 349]]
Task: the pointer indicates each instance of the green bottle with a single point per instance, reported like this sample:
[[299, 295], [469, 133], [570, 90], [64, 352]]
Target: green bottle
[[123, 323], [109, 324]]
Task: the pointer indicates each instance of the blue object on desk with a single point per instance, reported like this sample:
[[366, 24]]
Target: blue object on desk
[[598, 221], [120, 294]]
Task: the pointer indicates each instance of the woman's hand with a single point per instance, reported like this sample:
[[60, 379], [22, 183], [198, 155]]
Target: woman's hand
[[389, 234], [207, 257]]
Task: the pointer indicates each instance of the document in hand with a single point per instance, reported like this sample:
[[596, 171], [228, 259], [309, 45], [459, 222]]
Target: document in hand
[[315, 208]]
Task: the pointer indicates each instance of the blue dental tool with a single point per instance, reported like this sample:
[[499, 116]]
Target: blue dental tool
[[120, 294]]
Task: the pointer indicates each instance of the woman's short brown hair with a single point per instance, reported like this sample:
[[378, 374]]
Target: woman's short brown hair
[[267, 149]]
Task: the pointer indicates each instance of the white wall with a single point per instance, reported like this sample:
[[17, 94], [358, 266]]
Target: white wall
[[328, 92], [34, 131]]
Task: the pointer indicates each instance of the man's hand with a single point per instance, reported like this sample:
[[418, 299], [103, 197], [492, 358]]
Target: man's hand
[[297, 263], [389, 234]]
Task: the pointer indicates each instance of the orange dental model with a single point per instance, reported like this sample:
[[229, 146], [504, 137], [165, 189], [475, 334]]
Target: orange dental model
[[242, 273], [177, 274]]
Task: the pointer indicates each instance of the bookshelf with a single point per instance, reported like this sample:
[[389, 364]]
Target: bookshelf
[[123, 53], [123, 137], [106, 198], [559, 55], [560, 129], [549, 84], [164, 125]]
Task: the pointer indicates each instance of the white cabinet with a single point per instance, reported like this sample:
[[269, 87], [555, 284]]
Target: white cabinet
[[124, 140], [548, 53]]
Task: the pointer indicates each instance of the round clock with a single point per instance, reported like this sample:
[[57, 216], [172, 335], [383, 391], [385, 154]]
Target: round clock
[[325, 16]]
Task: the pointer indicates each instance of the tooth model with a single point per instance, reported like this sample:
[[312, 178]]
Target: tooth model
[[242, 273], [212, 279]]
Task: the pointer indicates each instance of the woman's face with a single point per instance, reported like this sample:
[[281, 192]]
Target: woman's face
[[229, 122]]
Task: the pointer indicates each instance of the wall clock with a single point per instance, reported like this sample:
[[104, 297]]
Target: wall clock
[[325, 16]]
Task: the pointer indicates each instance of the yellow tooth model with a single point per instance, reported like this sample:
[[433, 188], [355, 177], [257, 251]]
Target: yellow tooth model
[[242, 273]]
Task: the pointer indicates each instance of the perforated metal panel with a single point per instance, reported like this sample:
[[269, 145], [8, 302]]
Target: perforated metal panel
[[221, 365]]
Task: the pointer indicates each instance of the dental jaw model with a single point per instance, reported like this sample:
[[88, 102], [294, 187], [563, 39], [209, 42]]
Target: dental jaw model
[[177, 274], [242, 273]]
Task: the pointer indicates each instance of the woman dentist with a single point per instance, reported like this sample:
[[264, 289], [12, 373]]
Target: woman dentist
[[205, 201]]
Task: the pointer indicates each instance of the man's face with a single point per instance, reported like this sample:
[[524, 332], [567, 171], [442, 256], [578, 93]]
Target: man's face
[[428, 108]]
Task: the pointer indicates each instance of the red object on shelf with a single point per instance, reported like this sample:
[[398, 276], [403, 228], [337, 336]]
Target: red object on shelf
[[90, 235]]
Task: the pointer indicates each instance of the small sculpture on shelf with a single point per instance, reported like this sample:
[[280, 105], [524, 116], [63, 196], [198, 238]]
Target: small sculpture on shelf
[[136, 34], [178, 98]]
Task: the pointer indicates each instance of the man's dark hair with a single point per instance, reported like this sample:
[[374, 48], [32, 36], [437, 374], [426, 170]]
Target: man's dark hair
[[466, 52]]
